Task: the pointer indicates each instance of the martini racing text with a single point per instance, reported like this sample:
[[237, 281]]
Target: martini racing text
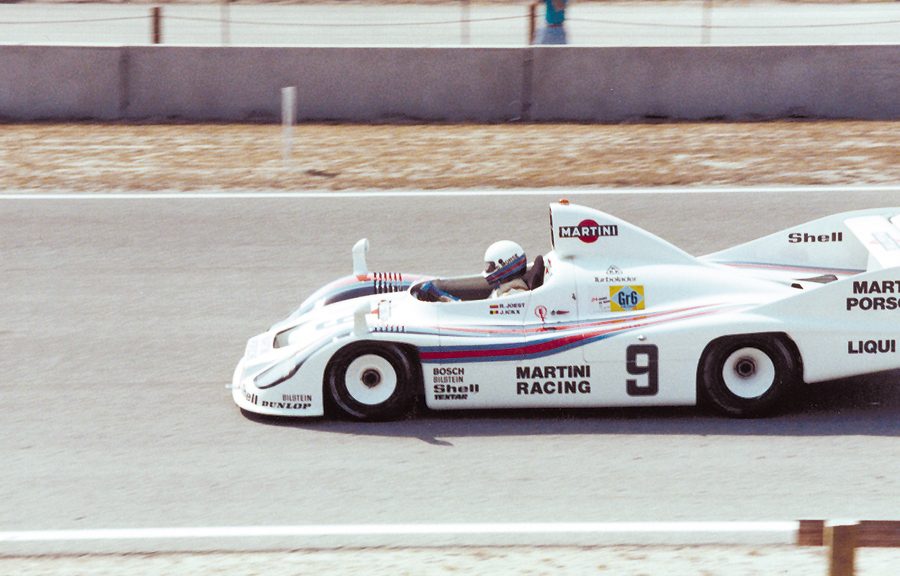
[[553, 380]]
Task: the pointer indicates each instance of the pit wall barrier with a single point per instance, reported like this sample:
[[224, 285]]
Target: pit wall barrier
[[586, 84]]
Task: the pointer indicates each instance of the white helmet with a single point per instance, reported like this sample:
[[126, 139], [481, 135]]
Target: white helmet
[[503, 261]]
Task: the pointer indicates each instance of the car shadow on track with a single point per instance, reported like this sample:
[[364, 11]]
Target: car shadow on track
[[862, 407]]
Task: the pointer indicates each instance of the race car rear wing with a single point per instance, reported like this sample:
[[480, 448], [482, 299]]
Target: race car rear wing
[[842, 244], [881, 237]]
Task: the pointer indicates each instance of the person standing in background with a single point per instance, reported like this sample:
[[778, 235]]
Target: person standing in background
[[554, 30]]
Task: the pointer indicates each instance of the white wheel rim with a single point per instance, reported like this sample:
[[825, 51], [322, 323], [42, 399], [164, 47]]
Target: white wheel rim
[[748, 373], [370, 379]]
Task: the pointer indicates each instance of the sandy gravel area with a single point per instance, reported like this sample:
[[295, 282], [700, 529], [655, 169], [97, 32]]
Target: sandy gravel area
[[617, 560], [118, 157]]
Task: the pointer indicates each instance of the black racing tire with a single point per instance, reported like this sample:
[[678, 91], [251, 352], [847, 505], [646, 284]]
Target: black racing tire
[[372, 381], [750, 375]]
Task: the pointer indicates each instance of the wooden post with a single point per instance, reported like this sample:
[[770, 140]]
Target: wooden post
[[532, 25], [841, 542], [878, 534], [156, 18], [811, 533]]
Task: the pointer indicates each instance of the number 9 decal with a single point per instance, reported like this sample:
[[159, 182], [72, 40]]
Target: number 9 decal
[[649, 366]]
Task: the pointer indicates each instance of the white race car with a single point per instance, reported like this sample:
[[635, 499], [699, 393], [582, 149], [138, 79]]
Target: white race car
[[613, 316]]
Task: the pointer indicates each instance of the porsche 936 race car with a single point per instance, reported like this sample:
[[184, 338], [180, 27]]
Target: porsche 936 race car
[[612, 316]]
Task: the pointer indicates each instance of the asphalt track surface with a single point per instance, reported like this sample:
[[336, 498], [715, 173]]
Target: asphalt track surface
[[588, 24], [121, 321]]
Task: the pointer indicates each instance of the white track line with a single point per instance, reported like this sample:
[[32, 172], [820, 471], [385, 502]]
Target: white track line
[[781, 528], [261, 195]]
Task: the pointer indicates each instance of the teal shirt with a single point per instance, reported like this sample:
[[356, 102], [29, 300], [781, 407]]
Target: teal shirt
[[554, 16]]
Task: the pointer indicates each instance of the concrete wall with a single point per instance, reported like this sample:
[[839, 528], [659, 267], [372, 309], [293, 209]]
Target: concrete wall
[[455, 84], [39, 82], [332, 83], [613, 84]]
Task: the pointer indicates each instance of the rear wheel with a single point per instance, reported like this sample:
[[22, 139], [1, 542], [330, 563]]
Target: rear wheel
[[746, 376], [372, 381]]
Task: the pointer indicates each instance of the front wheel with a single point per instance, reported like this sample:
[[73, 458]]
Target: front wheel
[[746, 376], [372, 381]]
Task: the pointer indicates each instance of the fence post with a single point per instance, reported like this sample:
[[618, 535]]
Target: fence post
[[841, 542], [811, 533], [156, 18], [532, 26]]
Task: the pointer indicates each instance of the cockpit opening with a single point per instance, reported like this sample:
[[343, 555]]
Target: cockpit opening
[[476, 287]]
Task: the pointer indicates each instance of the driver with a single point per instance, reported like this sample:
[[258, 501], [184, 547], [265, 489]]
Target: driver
[[504, 266]]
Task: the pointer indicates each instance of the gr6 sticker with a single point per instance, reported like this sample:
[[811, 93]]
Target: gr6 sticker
[[626, 298]]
